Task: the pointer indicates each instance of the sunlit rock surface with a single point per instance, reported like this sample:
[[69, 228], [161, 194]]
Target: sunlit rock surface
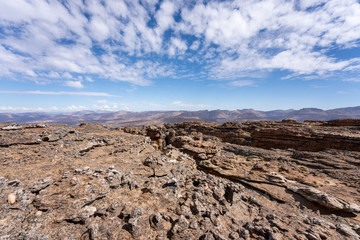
[[192, 180]]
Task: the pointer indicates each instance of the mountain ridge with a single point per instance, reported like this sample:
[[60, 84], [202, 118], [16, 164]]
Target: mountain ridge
[[127, 118]]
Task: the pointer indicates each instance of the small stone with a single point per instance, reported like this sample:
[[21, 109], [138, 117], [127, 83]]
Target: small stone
[[90, 210], [319, 222], [66, 174], [40, 185], [193, 224], [171, 183], [11, 198], [114, 171], [94, 230], [275, 236], [156, 221], [218, 193], [214, 220], [244, 233], [197, 208], [313, 236], [135, 228], [13, 183], [85, 170], [12, 127], [98, 170], [136, 212], [233, 235], [112, 208], [110, 176], [1, 181], [346, 231], [270, 217], [276, 178], [38, 213], [179, 225], [74, 181]]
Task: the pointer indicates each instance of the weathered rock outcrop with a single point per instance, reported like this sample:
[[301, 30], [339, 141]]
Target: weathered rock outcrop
[[183, 181], [309, 136]]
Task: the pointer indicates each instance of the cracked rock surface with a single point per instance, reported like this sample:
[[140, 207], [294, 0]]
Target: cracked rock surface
[[254, 180]]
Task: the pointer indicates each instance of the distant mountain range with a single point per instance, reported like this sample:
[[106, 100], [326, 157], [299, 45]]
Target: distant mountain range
[[126, 118]]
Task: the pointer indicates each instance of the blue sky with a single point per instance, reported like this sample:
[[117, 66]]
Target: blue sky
[[71, 55]]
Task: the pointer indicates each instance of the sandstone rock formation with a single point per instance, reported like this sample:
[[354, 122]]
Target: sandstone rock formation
[[192, 180]]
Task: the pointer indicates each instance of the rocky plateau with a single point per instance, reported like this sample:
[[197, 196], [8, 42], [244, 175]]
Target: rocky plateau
[[191, 180]]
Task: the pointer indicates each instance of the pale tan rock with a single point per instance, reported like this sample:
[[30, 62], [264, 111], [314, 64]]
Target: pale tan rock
[[11, 198], [325, 199], [90, 210]]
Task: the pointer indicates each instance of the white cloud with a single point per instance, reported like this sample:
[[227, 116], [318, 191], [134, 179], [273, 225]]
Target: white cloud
[[248, 32], [177, 47], [302, 62], [99, 29], [102, 101], [242, 83], [52, 74], [94, 94], [89, 79], [20, 109], [231, 38], [190, 105], [70, 108], [195, 45], [74, 84], [354, 79], [56, 39], [164, 16], [67, 75], [73, 108]]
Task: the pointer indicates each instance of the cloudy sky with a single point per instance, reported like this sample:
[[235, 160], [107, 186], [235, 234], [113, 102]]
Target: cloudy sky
[[70, 55]]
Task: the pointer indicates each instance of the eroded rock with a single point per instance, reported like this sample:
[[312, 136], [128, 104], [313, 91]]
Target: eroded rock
[[181, 181], [326, 200]]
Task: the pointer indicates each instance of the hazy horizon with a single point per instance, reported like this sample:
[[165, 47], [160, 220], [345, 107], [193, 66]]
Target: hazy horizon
[[180, 110], [67, 56]]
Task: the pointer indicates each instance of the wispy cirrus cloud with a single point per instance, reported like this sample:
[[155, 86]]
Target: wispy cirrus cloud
[[74, 84], [26, 109], [93, 94], [70, 108], [190, 105], [353, 79], [242, 83]]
